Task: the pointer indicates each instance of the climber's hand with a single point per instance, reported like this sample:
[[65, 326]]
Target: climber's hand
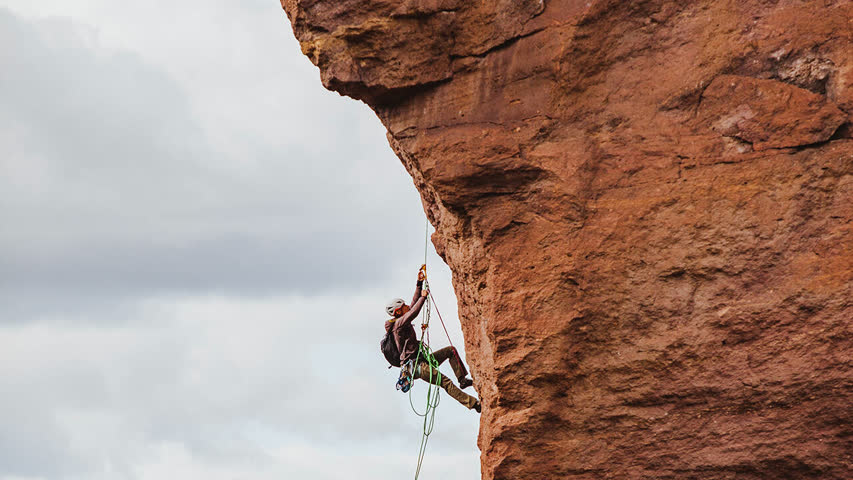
[[422, 273], [425, 292]]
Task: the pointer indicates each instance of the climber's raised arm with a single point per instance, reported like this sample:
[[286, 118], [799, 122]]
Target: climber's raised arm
[[413, 312], [418, 286]]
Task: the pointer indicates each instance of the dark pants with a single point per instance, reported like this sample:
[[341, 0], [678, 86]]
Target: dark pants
[[432, 375]]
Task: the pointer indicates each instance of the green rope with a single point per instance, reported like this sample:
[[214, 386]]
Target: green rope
[[431, 404], [432, 397]]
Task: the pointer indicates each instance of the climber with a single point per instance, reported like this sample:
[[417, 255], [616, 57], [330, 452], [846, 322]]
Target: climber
[[401, 334]]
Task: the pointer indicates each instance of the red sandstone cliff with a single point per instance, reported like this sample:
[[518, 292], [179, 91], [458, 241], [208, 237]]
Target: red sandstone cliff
[[648, 210]]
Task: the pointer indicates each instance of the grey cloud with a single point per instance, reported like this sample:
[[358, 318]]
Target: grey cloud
[[111, 188], [202, 373], [88, 112], [229, 262], [32, 444], [175, 254]]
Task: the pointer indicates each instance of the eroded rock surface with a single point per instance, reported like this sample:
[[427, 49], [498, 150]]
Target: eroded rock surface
[[767, 113], [648, 210]]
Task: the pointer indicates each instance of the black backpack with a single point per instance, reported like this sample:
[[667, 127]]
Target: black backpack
[[389, 348]]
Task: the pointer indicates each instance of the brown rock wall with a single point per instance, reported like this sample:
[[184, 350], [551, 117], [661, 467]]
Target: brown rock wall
[[648, 210], [768, 113]]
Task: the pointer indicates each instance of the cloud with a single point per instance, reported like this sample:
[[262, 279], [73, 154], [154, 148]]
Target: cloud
[[112, 186], [216, 377], [196, 243]]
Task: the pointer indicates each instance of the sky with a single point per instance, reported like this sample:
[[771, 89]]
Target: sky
[[196, 247]]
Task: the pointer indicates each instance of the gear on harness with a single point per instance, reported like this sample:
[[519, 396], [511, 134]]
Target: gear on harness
[[404, 383]]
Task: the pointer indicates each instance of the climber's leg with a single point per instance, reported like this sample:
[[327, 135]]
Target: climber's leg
[[450, 353], [429, 374]]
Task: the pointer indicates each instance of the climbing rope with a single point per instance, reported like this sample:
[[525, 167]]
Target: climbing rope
[[441, 320], [432, 401], [425, 355], [432, 394], [426, 242]]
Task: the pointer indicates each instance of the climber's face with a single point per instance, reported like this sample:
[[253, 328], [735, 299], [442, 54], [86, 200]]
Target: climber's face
[[401, 311]]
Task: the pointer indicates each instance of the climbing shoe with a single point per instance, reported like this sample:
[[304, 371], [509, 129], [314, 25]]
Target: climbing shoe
[[477, 406], [465, 382]]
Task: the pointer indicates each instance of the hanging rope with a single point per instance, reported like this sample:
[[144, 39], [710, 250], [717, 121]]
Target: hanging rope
[[426, 243], [425, 355], [432, 398], [442, 321]]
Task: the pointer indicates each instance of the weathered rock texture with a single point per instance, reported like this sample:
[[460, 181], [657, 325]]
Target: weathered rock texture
[[648, 209]]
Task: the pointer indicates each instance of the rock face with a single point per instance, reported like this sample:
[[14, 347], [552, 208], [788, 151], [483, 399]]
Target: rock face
[[648, 209]]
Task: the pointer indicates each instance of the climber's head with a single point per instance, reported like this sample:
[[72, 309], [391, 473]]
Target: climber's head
[[396, 307]]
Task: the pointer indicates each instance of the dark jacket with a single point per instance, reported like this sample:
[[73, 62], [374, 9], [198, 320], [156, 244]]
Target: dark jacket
[[404, 332]]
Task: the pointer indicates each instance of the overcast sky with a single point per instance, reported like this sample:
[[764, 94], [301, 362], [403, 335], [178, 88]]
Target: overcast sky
[[196, 245]]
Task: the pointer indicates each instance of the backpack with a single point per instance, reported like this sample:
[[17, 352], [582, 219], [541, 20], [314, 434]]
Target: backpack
[[389, 348]]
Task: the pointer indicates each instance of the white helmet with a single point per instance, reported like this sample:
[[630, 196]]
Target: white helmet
[[394, 305]]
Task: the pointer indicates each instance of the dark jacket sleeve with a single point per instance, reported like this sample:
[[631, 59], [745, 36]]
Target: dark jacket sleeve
[[418, 289], [413, 313]]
